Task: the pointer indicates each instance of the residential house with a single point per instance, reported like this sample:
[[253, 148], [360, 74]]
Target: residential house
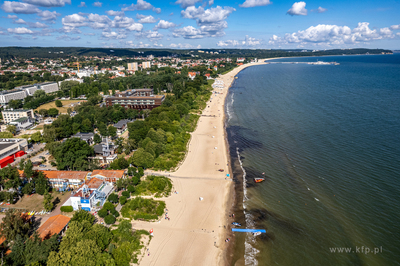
[[121, 126], [55, 225], [88, 137]]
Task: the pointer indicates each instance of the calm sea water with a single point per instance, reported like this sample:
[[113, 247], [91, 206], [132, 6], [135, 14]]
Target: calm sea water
[[328, 139]]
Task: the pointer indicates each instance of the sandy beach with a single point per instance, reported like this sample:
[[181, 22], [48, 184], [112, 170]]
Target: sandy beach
[[195, 234]]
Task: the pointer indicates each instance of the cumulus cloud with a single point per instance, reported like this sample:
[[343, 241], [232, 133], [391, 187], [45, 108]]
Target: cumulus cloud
[[97, 4], [334, 35], [211, 22], [83, 4], [47, 15], [140, 5], [21, 30], [115, 13], [298, 9], [74, 20], [181, 46], [157, 10], [163, 24], [20, 21], [146, 19], [48, 3], [113, 35], [68, 38], [12, 16], [37, 25], [253, 3], [186, 3], [19, 8], [151, 35], [395, 27], [247, 42], [319, 10], [210, 2]]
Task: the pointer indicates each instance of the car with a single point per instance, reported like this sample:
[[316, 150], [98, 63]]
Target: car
[[42, 165]]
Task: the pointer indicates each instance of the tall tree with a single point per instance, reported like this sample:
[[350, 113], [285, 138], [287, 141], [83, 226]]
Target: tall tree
[[14, 224], [48, 201]]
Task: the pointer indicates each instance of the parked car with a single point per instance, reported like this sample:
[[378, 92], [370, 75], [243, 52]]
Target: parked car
[[42, 165]]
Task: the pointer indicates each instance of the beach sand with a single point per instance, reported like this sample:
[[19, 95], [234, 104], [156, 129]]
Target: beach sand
[[195, 233]]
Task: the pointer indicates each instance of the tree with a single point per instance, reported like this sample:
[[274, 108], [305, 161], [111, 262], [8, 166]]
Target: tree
[[58, 103], [102, 129], [122, 199], [109, 219], [97, 138], [113, 198], [43, 112], [14, 223], [39, 93], [12, 129], [73, 155], [142, 158], [53, 112], [36, 137], [48, 201], [28, 169], [15, 104], [41, 184], [82, 215], [102, 212], [112, 131], [69, 110]]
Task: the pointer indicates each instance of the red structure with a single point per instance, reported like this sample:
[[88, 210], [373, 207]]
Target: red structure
[[19, 154], [5, 161]]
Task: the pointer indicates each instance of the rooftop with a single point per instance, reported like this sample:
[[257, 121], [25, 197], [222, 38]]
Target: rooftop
[[109, 173], [121, 123], [53, 225], [65, 174]]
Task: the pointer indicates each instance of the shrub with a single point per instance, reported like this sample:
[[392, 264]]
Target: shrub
[[66, 209], [103, 212], [113, 198], [115, 213], [122, 200], [108, 206], [83, 215], [131, 188], [109, 219], [126, 194]]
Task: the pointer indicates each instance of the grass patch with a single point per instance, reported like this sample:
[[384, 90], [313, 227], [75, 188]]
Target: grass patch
[[143, 209], [158, 185], [61, 110]]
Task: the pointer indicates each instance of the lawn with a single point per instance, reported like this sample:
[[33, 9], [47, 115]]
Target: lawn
[[35, 202], [63, 109]]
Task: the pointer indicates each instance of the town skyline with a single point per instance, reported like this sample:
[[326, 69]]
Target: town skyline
[[197, 24]]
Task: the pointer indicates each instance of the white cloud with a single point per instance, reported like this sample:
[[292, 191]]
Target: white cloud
[[253, 3], [12, 16], [181, 46], [210, 2], [97, 4], [68, 38], [334, 35], [48, 3], [151, 35], [321, 10], [98, 21], [211, 22], [247, 42], [298, 9], [37, 25], [74, 20], [187, 3], [89, 34], [113, 35], [163, 24], [140, 5], [115, 13], [82, 4], [146, 19], [157, 10], [20, 21], [48, 15], [127, 23], [22, 30], [395, 27], [19, 8]]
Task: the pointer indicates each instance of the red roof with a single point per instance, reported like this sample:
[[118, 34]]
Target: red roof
[[53, 225], [117, 174]]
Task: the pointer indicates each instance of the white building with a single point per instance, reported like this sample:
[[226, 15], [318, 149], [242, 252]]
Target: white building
[[146, 65], [133, 66], [11, 148], [48, 87], [7, 96], [11, 115]]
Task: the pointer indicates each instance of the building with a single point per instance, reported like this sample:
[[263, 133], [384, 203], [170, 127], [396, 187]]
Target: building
[[20, 93], [22, 123], [121, 126], [240, 59], [15, 94], [91, 196], [138, 99], [133, 66], [11, 115], [109, 175], [10, 149], [48, 87], [88, 137], [192, 75], [105, 152], [66, 180], [55, 225], [146, 64]]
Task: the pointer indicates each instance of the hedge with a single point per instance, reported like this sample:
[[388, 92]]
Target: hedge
[[66, 209]]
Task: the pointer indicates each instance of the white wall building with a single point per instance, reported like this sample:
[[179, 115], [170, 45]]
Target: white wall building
[[11, 115], [133, 66], [146, 65]]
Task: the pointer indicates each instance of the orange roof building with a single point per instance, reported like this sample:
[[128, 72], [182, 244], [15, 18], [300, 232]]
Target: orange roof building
[[109, 175], [64, 180], [54, 225]]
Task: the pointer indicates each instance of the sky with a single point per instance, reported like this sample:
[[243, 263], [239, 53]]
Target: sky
[[202, 24]]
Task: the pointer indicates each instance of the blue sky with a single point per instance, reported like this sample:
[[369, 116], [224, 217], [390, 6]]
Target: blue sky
[[200, 24]]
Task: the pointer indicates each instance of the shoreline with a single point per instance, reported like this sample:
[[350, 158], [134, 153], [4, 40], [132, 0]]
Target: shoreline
[[199, 212]]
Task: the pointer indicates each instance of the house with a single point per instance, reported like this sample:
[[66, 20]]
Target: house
[[108, 175], [91, 195], [22, 123], [215, 68], [121, 126], [88, 137], [208, 76], [192, 75], [66, 180], [105, 152], [55, 225]]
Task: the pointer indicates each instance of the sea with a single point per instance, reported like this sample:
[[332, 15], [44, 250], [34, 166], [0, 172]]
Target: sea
[[326, 138]]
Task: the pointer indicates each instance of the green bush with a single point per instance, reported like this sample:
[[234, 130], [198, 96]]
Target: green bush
[[108, 206], [82, 215], [113, 198], [126, 194], [115, 213], [109, 219], [131, 188], [141, 208], [122, 200], [103, 212], [66, 209]]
